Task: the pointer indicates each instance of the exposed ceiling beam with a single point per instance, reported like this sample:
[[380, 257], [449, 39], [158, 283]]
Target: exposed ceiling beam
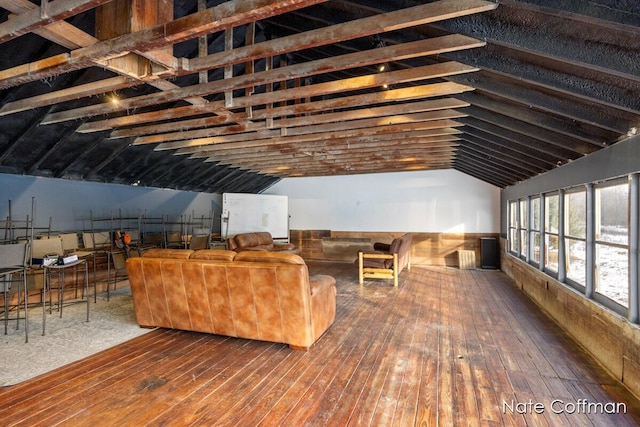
[[448, 135], [307, 125], [270, 138], [74, 92], [174, 114], [300, 70], [226, 15], [304, 120], [39, 17]]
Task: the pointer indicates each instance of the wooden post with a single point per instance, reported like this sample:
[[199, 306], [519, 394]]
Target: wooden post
[[121, 17]]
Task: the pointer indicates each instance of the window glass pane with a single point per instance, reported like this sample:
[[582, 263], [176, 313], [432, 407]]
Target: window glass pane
[[551, 214], [612, 279], [535, 206], [576, 209], [513, 224], [551, 252], [576, 255], [523, 224], [614, 218], [536, 247], [524, 217], [523, 242], [513, 239], [513, 215]]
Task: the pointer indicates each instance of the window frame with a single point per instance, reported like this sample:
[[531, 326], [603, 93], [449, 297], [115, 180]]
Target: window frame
[[556, 205], [549, 233], [567, 237], [598, 296], [535, 230]]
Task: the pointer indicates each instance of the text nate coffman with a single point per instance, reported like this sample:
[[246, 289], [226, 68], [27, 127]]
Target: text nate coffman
[[559, 406]]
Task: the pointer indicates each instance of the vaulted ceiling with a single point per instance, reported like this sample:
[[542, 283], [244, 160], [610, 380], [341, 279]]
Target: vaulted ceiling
[[232, 96]]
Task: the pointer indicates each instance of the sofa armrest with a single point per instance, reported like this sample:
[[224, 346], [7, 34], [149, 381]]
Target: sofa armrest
[[284, 246], [323, 303], [320, 282], [383, 247]]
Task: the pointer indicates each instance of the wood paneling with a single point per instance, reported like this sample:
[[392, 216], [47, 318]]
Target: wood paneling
[[611, 339], [427, 248]]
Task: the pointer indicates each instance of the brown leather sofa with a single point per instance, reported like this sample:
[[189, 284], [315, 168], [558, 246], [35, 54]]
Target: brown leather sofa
[[266, 296], [258, 241], [387, 260]]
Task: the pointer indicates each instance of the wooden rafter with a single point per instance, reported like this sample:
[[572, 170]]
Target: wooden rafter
[[320, 89], [217, 18], [360, 113], [272, 138], [39, 17], [375, 139], [309, 125], [174, 114], [297, 105]]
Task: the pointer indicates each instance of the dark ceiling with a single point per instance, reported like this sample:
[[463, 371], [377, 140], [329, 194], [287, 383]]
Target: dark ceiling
[[502, 91]]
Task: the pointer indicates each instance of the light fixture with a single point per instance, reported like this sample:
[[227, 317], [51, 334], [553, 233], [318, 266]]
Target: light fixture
[[384, 67], [113, 98]]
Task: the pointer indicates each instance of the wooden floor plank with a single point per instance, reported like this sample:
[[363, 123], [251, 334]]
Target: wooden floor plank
[[447, 347]]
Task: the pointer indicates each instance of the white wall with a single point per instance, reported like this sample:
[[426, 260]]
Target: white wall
[[432, 201], [429, 201], [70, 203]]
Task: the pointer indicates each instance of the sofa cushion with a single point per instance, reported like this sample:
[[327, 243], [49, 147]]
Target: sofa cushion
[[375, 262], [246, 240], [264, 238], [255, 248], [167, 253], [269, 257], [231, 244], [394, 248], [213, 255]]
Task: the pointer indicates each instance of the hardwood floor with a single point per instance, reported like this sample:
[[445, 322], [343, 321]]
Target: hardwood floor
[[447, 348]]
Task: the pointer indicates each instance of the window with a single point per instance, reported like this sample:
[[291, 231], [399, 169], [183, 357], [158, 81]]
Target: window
[[612, 242], [575, 235], [551, 240], [583, 236], [513, 227], [534, 231], [523, 225]]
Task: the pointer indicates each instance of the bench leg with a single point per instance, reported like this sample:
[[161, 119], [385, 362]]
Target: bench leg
[[395, 270]]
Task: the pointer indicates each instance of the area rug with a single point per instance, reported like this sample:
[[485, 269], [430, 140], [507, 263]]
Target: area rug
[[67, 339]]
